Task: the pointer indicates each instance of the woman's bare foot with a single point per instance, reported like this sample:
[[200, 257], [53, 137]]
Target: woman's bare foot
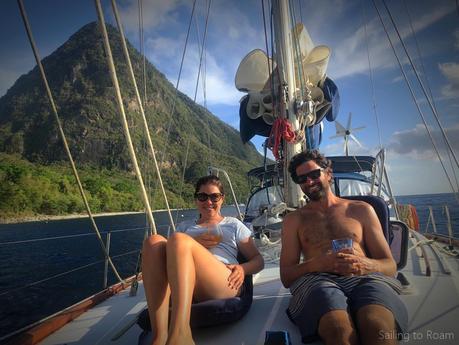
[[160, 341], [180, 337]]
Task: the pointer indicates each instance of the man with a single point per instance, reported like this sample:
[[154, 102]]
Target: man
[[334, 294]]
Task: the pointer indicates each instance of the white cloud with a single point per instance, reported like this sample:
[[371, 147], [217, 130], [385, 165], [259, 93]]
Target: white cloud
[[219, 84], [434, 15], [337, 149], [350, 54], [450, 71], [155, 13], [230, 36], [415, 143]]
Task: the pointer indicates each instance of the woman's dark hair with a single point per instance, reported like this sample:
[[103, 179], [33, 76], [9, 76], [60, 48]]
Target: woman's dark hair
[[305, 156], [212, 179]]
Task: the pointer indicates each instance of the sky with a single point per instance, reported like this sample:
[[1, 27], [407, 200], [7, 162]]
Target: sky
[[362, 64]]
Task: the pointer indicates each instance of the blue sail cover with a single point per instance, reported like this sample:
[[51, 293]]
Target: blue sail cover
[[250, 127], [331, 94]]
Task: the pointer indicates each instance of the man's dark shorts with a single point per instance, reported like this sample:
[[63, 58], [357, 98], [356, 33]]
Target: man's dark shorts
[[315, 294]]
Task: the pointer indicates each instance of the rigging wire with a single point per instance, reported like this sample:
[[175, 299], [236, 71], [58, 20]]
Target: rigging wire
[[62, 136], [413, 96], [370, 69], [423, 70], [203, 54], [119, 100], [174, 99], [142, 112], [201, 59], [301, 11], [421, 84], [270, 67], [142, 51], [185, 163], [146, 166], [18, 288]]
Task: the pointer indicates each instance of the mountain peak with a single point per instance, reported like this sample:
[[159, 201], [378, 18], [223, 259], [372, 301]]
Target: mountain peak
[[79, 78]]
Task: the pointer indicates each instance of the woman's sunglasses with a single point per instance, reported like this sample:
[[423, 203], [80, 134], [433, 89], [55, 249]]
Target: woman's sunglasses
[[313, 175], [214, 197]]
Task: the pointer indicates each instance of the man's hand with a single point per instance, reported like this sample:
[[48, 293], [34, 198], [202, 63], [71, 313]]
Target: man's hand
[[351, 264], [236, 278], [207, 240]]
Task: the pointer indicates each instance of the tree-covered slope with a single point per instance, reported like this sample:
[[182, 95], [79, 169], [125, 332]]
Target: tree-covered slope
[[79, 78]]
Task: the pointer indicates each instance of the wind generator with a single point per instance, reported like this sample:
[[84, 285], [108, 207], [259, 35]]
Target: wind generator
[[346, 133]]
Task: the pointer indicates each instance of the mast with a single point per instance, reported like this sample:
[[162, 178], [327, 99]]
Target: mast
[[287, 90]]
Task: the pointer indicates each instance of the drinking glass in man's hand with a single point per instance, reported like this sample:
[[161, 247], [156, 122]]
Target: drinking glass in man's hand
[[342, 244]]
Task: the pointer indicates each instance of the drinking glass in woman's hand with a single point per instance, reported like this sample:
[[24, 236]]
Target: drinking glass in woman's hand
[[215, 232], [207, 240]]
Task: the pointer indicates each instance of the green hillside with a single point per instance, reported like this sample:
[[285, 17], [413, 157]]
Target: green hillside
[[34, 171]]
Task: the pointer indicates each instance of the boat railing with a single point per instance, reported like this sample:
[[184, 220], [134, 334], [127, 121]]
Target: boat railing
[[448, 238], [380, 178], [164, 228]]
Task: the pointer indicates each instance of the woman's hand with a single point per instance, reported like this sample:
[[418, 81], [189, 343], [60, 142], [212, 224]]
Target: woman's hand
[[236, 278], [207, 240]]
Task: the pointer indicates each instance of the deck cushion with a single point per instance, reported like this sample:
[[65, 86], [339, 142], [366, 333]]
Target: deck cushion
[[214, 312], [381, 209]]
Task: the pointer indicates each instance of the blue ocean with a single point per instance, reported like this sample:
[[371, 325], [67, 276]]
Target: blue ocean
[[48, 266]]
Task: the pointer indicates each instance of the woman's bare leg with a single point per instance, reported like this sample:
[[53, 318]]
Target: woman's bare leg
[[156, 286], [192, 270]]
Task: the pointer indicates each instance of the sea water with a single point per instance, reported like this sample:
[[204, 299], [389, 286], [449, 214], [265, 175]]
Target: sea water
[[68, 250]]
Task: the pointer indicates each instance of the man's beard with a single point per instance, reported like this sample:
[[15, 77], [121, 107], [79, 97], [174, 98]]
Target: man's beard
[[317, 194]]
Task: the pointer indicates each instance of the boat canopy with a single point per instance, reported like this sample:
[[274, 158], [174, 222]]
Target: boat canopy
[[351, 164]]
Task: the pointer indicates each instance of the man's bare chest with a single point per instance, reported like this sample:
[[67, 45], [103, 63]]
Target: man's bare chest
[[324, 227]]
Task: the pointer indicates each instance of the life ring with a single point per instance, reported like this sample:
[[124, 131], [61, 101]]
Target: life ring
[[409, 215]]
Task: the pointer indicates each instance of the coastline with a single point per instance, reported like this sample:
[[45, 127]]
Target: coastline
[[45, 218]]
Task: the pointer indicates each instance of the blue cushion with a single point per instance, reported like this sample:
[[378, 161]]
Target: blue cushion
[[381, 209], [215, 311]]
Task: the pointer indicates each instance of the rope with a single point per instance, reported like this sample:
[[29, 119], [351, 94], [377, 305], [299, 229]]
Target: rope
[[142, 112], [270, 250], [414, 97], [434, 111], [62, 134], [282, 129], [119, 100], [423, 70]]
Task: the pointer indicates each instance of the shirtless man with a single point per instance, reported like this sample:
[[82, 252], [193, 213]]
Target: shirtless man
[[334, 294]]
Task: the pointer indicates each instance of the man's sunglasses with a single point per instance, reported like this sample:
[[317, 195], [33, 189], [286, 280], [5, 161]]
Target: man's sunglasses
[[312, 175], [214, 197]]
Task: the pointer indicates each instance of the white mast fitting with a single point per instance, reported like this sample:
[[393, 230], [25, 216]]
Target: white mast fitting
[[285, 63]]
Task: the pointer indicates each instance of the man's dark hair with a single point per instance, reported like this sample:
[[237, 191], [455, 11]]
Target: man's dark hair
[[305, 156]]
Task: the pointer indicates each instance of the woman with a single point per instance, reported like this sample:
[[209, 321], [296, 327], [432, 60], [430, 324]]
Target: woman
[[193, 265]]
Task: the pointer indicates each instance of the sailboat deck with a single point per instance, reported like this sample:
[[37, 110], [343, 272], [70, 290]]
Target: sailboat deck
[[432, 302]]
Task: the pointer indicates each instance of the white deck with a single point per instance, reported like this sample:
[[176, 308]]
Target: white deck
[[432, 302]]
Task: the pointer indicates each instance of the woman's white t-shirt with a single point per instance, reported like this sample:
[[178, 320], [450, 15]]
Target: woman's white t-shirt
[[233, 231]]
